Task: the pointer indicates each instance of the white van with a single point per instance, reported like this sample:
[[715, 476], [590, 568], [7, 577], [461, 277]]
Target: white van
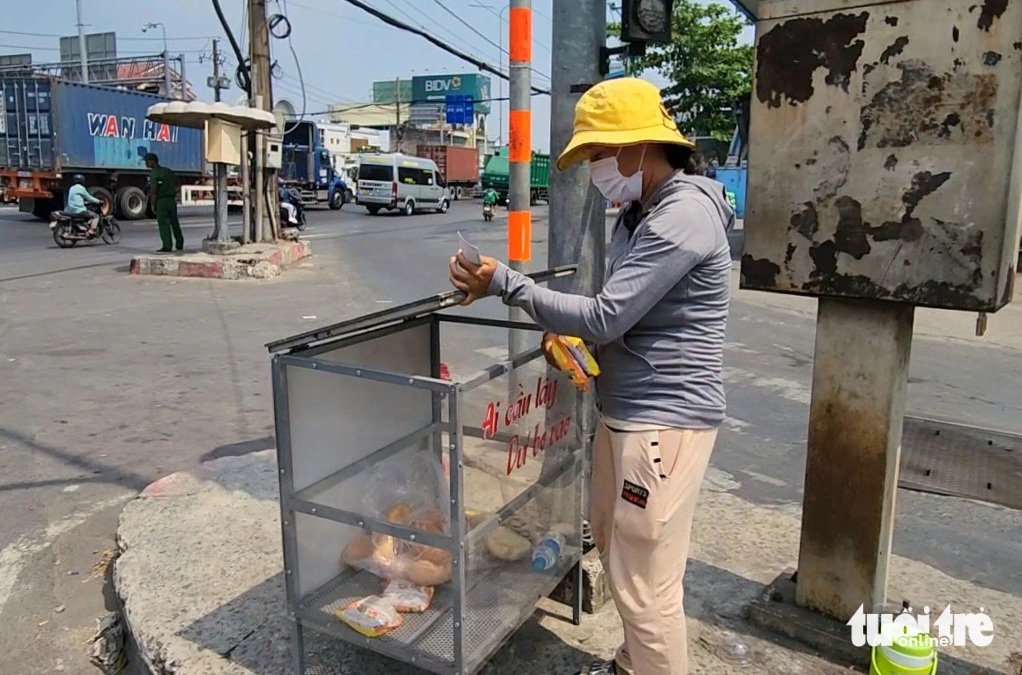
[[396, 181]]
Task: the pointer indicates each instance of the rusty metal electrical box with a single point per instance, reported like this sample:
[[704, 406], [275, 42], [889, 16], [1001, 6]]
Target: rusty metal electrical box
[[885, 158]]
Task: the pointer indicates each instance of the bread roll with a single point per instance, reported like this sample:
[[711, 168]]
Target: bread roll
[[426, 573], [506, 545]]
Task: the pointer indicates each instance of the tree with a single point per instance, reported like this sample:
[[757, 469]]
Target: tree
[[707, 68]]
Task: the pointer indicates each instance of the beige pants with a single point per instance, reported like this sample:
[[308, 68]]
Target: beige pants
[[644, 490]]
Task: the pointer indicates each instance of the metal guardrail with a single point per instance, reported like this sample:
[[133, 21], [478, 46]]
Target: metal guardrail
[[202, 195]]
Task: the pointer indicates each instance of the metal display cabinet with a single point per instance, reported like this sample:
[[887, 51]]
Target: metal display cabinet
[[369, 413], [885, 161]]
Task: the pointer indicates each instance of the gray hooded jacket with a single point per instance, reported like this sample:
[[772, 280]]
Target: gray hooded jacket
[[659, 321]]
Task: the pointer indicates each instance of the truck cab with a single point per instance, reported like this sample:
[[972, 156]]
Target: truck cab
[[308, 167]]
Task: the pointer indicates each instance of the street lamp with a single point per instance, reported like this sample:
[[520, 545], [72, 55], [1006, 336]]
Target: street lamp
[[150, 25], [500, 80], [166, 57]]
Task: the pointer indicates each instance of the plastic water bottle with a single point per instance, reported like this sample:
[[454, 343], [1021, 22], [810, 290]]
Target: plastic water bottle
[[548, 551]]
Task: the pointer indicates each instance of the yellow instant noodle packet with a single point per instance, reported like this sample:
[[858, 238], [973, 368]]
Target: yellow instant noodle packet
[[572, 357]]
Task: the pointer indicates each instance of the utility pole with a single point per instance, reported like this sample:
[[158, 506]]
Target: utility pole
[[216, 70], [82, 56], [577, 228], [579, 31], [166, 73], [262, 97], [519, 217], [397, 112], [220, 196]]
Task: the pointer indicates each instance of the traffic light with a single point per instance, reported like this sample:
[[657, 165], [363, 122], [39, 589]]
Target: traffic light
[[646, 20]]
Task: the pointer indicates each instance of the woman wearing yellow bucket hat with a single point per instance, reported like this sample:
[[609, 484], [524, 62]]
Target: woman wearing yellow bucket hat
[[658, 324]]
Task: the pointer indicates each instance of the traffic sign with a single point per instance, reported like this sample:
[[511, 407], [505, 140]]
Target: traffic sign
[[460, 108]]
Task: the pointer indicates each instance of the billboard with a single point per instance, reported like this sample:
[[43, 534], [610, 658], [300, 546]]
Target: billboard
[[385, 91], [97, 46], [436, 88]]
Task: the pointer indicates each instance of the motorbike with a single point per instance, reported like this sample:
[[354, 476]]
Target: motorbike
[[299, 214], [70, 228], [487, 212]]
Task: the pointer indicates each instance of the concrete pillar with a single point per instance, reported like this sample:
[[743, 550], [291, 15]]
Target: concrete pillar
[[860, 382]]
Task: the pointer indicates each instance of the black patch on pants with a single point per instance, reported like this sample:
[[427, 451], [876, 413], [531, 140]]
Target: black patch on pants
[[635, 494]]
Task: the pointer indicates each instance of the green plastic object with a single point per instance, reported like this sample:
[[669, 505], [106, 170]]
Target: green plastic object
[[909, 655]]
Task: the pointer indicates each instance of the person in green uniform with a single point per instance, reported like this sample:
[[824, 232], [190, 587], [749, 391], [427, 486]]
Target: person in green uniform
[[163, 200]]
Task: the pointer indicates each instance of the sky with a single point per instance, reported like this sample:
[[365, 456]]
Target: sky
[[340, 48]]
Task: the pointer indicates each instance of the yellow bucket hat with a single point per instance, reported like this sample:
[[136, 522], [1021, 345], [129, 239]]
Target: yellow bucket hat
[[625, 111]]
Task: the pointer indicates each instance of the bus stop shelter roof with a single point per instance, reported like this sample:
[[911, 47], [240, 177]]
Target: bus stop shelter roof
[[196, 113]]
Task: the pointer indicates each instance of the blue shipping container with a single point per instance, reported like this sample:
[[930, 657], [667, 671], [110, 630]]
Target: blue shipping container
[[735, 181], [51, 125]]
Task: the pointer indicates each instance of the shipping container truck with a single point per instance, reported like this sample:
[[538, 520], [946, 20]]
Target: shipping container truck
[[307, 165], [458, 165], [497, 171], [51, 129]]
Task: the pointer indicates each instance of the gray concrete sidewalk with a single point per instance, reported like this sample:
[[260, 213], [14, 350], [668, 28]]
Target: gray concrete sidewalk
[[199, 577]]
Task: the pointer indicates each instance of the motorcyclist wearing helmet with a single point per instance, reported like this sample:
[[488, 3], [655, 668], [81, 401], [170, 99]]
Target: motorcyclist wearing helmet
[[77, 197], [288, 198]]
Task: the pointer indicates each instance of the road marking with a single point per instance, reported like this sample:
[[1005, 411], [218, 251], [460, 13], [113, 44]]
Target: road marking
[[789, 389], [770, 480], [736, 425], [16, 556], [719, 480]]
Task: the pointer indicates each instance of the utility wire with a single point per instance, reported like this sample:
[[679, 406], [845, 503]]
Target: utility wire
[[316, 93], [348, 19], [501, 21], [474, 30], [437, 26], [478, 63], [542, 14], [119, 39], [360, 106], [282, 4], [135, 52], [468, 25]]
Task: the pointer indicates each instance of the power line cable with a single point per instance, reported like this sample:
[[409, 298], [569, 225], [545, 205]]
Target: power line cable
[[436, 25], [361, 106], [343, 17], [129, 51], [452, 35], [502, 20], [476, 31], [542, 14], [278, 20], [468, 25], [322, 95], [119, 39], [478, 63]]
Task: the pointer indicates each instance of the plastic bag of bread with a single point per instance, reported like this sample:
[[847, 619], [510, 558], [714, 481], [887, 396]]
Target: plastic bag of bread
[[408, 489], [372, 616], [405, 596], [392, 558]]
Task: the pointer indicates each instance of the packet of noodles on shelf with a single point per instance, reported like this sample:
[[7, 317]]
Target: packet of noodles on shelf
[[572, 357], [404, 596], [372, 616]]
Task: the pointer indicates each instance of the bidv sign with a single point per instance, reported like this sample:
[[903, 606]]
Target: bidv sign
[[447, 85]]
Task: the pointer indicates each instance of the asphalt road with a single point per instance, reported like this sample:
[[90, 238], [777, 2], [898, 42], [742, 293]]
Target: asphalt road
[[108, 382]]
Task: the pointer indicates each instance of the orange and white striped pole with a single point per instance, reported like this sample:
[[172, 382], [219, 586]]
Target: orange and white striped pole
[[519, 220]]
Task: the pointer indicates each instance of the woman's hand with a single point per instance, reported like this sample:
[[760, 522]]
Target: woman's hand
[[548, 344], [472, 279]]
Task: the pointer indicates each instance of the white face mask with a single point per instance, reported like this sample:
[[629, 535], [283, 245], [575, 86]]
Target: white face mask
[[611, 184]]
